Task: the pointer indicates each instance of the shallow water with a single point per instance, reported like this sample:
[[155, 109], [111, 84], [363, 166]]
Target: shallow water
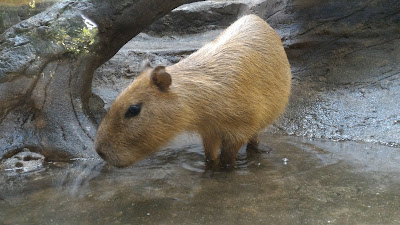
[[293, 181]]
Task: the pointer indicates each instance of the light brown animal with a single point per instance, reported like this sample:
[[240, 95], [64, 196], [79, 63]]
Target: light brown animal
[[227, 92]]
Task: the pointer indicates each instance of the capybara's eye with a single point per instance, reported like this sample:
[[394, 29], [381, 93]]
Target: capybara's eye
[[133, 110]]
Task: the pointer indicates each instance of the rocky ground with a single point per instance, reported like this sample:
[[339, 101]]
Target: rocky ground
[[344, 57]]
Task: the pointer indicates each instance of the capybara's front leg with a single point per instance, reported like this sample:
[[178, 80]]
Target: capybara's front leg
[[229, 152], [211, 146], [253, 142]]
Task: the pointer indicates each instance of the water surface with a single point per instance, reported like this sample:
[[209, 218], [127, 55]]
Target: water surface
[[293, 181]]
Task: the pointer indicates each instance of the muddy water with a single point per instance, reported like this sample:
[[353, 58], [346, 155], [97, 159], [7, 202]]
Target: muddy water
[[292, 181]]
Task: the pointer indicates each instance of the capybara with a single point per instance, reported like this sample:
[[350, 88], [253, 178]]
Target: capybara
[[227, 92]]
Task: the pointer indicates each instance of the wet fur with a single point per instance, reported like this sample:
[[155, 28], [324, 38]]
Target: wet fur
[[227, 91]]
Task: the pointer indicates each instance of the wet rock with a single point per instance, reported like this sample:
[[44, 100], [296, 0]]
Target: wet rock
[[23, 162], [96, 107]]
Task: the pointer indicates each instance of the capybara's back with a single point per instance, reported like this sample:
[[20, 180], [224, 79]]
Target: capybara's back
[[227, 91]]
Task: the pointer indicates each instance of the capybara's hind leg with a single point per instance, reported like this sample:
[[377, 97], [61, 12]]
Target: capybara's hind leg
[[229, 152], [211, 146], [254, 146]]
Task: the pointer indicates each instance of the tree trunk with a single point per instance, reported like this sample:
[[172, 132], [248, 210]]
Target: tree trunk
[[46, 69]]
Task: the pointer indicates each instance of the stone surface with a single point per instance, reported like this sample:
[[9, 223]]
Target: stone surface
[[23, 162], [198, 17], [344, 58]]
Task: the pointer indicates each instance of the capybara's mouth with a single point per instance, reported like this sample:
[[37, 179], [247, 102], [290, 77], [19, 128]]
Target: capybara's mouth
[[102, 155], [115, 161], [121, 165], [112, 158]]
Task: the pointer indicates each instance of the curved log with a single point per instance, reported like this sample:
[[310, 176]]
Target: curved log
[[46, 69]]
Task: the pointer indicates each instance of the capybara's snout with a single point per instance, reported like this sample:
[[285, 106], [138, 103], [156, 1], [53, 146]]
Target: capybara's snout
[[105, 151], [108, 154], [102, 149], [100, 152]]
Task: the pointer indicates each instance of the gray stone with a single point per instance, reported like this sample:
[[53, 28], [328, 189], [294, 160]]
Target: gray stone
[[23, 162], [198, 17]]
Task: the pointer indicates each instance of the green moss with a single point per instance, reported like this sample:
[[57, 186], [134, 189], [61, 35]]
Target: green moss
[[32, 4], [76, 41]]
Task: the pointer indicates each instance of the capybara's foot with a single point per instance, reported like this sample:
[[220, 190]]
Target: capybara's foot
[[212, 165]]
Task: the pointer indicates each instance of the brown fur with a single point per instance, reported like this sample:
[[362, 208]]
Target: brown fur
[[227, 91]]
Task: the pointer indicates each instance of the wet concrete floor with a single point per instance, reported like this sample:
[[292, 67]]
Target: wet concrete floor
[[293, 181]]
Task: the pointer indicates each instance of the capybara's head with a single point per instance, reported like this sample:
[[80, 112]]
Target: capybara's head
[[142, 119]]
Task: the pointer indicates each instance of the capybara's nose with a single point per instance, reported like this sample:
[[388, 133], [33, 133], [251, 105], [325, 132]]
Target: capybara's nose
[[101, 153]]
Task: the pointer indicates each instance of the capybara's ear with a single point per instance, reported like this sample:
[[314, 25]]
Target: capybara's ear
[[144, 65], [161, 78]]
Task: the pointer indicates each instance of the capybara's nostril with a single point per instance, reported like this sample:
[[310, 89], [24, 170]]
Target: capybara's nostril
[[101, 154]]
